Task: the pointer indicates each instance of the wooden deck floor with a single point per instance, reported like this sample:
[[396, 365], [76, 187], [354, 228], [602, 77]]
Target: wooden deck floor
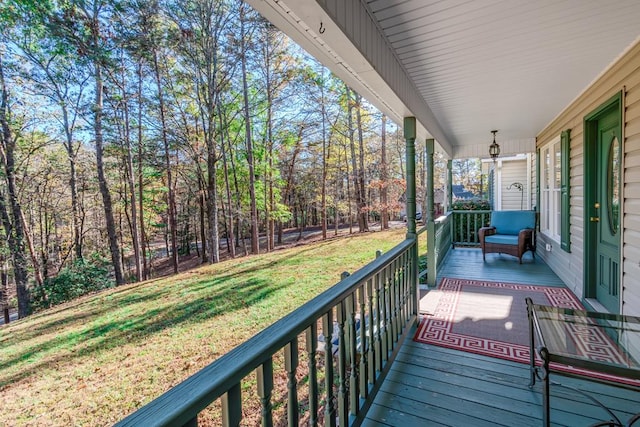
[[467, 263], [434, 386]]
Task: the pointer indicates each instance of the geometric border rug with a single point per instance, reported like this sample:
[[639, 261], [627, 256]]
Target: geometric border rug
[[490, 318]]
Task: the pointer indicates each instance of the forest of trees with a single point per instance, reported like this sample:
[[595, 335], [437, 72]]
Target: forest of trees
[[137, 127]]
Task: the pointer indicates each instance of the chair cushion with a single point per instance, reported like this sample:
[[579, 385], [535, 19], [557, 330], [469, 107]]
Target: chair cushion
[[502, 239], [511, 222]]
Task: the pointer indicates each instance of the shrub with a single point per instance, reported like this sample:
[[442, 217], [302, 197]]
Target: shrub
[[471, 205], [465, 227], [80, 278]]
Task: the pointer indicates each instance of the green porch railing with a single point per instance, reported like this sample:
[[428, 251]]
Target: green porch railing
[[465, 226], [438, 244], [423, 250], [367, 315], [443, 237]]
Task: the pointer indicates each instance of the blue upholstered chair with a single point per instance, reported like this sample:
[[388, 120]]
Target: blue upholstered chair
[[510, 232]]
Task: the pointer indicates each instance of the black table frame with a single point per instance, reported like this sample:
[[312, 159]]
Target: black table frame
[[547, 356]]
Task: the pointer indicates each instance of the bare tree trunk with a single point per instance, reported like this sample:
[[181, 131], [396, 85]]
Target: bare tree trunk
[[270, 203], [102, 180], [135, 234], [362, 199], [212, 201], [399, 144], [4, 290], [145, 269], [362, 225], [37, 269], [231, 240], [202, 201], [346, 162], [287, 195], [239, 224], [73, 185], [171, 208], [324, 160], [384, 221], [13, 225], [255, 243]]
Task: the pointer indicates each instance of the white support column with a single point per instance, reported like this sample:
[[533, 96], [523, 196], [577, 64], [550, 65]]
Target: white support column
[[529, 181], [498, 185]]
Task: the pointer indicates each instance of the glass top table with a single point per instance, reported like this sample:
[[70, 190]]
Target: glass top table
[[601, 346]]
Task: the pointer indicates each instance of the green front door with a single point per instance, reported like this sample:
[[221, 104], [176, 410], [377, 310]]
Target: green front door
[[604, 215]]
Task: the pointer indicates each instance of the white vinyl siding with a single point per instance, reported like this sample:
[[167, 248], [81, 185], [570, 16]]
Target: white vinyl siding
[[514, 173], [624, 76]]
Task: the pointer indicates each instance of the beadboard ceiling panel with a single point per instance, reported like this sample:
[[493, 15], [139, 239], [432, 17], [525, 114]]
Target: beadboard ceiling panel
[[504, 64]]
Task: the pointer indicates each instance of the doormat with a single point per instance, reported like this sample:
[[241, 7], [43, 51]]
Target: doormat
[[490, 318]]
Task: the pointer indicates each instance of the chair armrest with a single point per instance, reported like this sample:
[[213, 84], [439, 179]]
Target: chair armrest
[[524, 236], [485, 231]]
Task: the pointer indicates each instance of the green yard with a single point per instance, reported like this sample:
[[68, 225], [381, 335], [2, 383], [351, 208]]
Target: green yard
[[93, 361]]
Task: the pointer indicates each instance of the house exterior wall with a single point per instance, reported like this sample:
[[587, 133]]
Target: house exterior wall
[[507, 171], [514, 171], [623, 75]]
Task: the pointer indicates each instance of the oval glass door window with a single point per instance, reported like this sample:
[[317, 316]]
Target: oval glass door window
[[613, 185]]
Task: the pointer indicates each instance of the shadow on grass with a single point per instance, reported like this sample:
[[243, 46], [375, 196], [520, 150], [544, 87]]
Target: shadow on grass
[[128, 295], [131, 314], [104, 335]]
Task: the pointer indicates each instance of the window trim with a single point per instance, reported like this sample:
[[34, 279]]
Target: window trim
[[565, 194], [548, 201], [550, 226]]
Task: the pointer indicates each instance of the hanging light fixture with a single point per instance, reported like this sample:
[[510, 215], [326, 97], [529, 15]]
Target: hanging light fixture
[[494, 148]]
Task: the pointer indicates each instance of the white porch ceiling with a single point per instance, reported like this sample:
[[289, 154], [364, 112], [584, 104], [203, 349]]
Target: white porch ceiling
[[477, 65]]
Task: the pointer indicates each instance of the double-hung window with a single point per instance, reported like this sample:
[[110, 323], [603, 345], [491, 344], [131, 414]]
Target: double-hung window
[[554, 190]]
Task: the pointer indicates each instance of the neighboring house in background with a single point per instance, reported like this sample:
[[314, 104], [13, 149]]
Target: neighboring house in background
[[459, 193]]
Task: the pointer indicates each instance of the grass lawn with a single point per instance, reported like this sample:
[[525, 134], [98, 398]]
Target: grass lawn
[[95, 360]]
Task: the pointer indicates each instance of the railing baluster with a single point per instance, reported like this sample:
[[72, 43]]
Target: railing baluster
[[327, 330], [397, 276], [475, 227], [384, 320], [312, 348], [353, 353], [393, 303], [343, 403], [379, 320], [407, 286], [291, 365], [371, 330], [365, 343], [404, 273], [264, 375], [232, 407], [407, 263], [389, 310], [465, 226], [413, 288]]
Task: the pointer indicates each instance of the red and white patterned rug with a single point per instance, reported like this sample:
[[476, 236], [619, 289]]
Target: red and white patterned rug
[[490, 318]]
